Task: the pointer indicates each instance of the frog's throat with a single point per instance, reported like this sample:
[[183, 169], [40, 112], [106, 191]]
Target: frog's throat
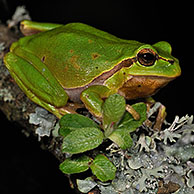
[[143, 86]]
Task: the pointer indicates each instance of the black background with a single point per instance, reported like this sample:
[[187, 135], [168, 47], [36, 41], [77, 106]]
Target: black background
[[26, 168]]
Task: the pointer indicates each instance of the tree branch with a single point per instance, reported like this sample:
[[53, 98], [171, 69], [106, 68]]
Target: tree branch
[[17, 107]]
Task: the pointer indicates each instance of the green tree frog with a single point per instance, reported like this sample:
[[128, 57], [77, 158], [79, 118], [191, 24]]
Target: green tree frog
[[75, 62]]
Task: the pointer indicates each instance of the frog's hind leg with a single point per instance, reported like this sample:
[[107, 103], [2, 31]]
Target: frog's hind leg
[[28, 27], [36, 81]]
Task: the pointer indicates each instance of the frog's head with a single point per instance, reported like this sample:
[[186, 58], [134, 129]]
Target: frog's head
[[152, 68]]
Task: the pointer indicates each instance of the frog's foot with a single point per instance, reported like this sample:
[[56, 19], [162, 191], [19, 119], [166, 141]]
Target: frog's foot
[[160, 118], [28, 27], [149, 102], [70, 108], [153, 107]]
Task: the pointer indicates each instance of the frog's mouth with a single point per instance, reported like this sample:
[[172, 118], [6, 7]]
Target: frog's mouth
[[143, 86]]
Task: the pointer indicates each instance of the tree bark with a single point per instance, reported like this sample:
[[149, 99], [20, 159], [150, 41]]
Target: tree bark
[[17, 107], [13, 102]]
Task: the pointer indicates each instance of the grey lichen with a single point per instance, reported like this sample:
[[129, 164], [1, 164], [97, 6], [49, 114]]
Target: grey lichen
[[190, 179], [20, 14], [45, 120], [155, 157], [86, 185], [5, 95]]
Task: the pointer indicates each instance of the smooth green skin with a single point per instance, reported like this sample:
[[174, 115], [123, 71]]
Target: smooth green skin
[[63, 58]]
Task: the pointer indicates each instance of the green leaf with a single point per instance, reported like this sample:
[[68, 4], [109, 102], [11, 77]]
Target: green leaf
[[76, 165], [70, 122], [64, 131], [76, 121], [113, 109], [121, 135], [103, 168], [122, 138], [82, 139], [129, 123]]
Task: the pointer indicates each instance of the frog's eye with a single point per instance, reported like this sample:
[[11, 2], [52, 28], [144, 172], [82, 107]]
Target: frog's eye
[[147, 57]]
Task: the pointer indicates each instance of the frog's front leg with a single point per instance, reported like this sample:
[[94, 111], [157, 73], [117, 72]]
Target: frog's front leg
[[160, 118], [161, 113], [93, 96]]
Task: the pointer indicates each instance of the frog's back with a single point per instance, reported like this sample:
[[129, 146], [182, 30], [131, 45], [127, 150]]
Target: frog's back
[[77, 53]]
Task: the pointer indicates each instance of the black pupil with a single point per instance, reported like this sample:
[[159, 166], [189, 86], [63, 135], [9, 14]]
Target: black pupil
[[148, 57]]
